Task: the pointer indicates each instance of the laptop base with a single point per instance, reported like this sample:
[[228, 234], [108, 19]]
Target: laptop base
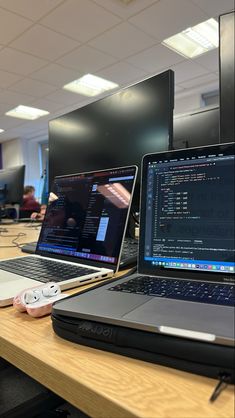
[[191, 356], [128, 257]]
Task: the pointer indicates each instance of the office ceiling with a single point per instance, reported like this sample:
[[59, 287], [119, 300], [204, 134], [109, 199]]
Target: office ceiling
[[47, 43]]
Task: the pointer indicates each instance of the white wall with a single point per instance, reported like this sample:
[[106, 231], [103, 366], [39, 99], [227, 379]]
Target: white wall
[[187, 103], [33, 169], [13, 153]]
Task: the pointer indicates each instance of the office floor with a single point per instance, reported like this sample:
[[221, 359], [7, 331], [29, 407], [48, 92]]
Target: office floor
[[20, 393]]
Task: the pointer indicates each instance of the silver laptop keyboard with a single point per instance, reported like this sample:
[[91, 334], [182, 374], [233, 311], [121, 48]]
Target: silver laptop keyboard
[[43, 270], [218, 294]]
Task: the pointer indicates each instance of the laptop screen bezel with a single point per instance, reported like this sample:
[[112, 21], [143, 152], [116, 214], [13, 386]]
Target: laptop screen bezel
[[84, 261], [144, 267]]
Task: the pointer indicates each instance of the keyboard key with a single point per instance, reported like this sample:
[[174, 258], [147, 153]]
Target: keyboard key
[[44, 270], [179, 289]]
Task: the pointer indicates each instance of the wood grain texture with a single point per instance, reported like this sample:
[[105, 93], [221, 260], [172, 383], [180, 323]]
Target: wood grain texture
[[105, 384]]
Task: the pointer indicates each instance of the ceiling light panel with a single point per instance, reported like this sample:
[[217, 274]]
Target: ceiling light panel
[[26, 112], [195, 41], [90, 85], [1, 131]]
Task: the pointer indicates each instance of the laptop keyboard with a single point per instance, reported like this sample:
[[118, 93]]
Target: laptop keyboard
[[128, 257], [129, 253], [212, 293], [44, 270], [130, 248]]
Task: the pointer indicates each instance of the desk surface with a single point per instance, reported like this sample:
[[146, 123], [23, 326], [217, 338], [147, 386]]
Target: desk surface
[[99, 383]]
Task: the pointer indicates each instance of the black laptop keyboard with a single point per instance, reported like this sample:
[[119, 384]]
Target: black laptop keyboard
[[130, 248], [217, 294], [129, 253], [43, 270]]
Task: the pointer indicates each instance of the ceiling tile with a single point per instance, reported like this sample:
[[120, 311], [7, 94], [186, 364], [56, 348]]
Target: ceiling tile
[[5, 136], [15, 99], [55, 74], [122, 73], [122, 41], [30, 127], [7, 122], [31, 9], [34, 87], [11, 26], [80, 19], [64, 97], [167, 17], [125, 10], [26, 130], [86, 59], [210, 60], [156, 58], [6, 79], [47, 105], [69, 108], [199, 81], [21, 63], [4, 107], [215, 7], [187, 70], [44, 43]]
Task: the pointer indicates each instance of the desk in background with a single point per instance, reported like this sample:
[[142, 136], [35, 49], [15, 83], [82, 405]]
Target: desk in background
[[99, 383]]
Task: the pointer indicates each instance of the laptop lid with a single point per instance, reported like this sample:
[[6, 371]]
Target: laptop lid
[[187, 214], [87, 215]]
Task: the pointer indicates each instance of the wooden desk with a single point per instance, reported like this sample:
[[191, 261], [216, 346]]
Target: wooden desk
[[22, 233], [99, 383]]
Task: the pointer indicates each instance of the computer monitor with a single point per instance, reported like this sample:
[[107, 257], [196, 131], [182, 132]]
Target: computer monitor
[[226, 71], [196, 128], [12, 185], [114, 131]]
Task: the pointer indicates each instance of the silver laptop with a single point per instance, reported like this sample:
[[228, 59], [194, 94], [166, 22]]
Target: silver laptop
[[81, 236], [185, 281]]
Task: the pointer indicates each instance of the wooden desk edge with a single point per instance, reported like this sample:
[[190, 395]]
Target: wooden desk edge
[[86, 399]]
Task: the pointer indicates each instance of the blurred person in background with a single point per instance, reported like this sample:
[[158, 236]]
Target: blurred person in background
[[30, 204]]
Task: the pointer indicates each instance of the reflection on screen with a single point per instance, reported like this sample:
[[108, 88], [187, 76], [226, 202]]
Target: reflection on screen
[[86, 215]]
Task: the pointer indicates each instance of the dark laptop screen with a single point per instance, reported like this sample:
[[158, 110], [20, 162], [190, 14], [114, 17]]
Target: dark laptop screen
[[189, 210], [87, 214]]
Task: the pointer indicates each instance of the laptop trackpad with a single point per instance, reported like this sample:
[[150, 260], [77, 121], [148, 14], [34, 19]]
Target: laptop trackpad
[[218, 320]]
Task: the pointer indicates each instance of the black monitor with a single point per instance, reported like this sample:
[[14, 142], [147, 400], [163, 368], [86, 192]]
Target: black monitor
[[196, 128], [114, 131], [226, 69], [12, 185]]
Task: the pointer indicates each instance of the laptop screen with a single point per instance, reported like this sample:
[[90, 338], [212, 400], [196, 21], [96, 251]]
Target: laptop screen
[[87, 215], [188, 211]]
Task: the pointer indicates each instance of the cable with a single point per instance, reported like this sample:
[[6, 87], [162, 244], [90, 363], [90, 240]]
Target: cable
[[21, 234], [15, 238]]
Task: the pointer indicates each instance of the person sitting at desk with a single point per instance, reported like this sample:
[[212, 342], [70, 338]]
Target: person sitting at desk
[[30, 204], [39, 216]]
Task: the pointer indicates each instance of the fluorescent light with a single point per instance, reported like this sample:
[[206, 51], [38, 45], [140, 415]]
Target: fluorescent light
[[90, 85], [195, 41], [1, 131], [26, 112]]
